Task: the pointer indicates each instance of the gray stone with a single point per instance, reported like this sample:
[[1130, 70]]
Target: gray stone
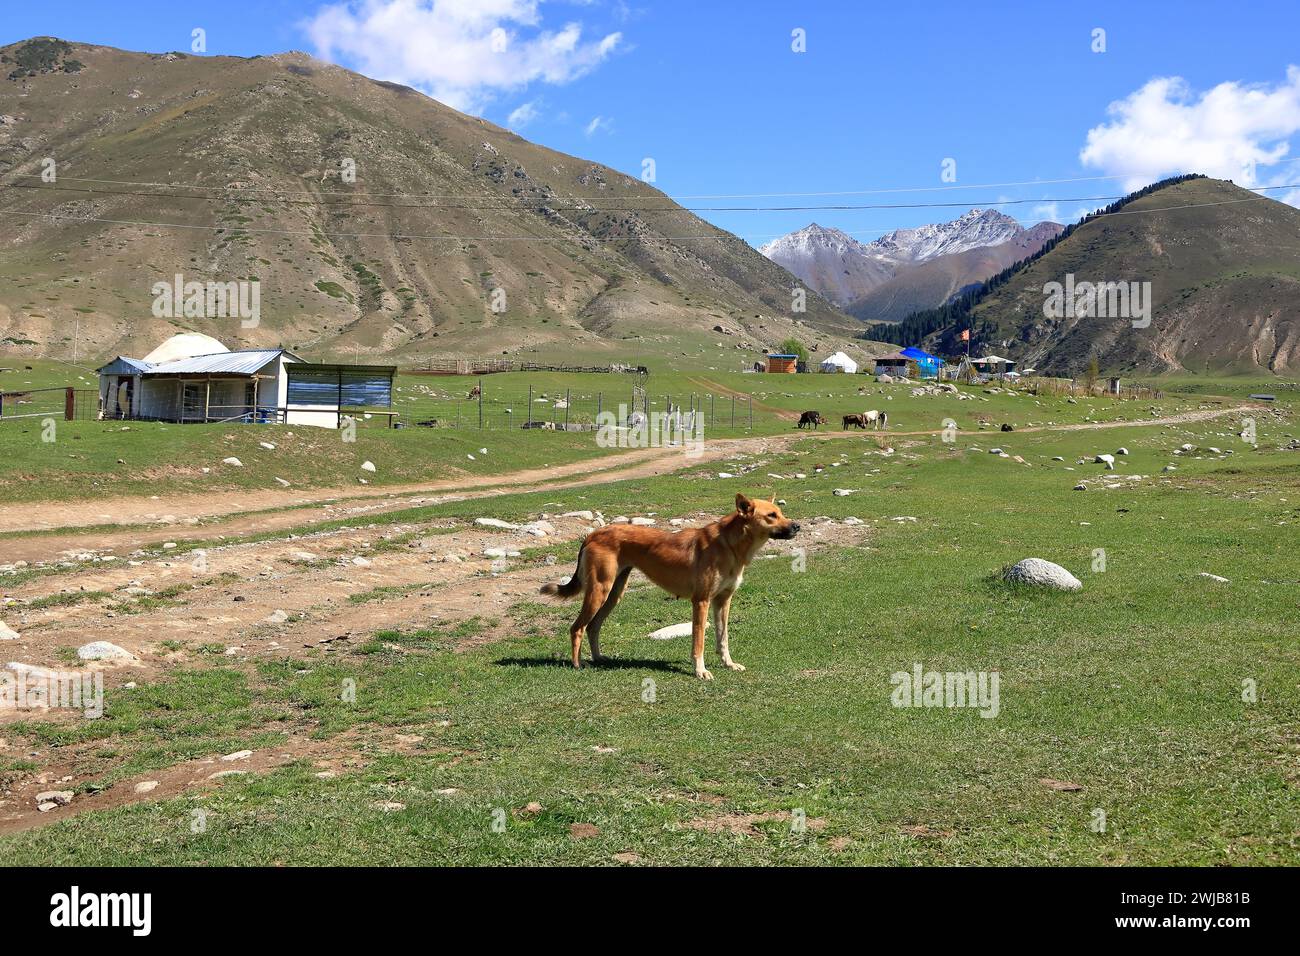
[[1042, 573], [104, 651]]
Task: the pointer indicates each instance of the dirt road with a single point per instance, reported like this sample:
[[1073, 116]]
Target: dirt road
[[141, 521], [310, 597]]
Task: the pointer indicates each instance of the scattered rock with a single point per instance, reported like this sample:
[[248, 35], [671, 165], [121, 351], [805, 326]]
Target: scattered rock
[[671, 631], [237, 755], [277, 617], [235, 462], [1213, 577], [1040, 573], [53, 798], [104, 651], [367, 466], [496, 523], [7, 633], [145, 786]]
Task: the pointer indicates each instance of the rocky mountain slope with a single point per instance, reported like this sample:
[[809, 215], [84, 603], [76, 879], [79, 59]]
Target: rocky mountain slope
[[224, 168], [1223, 265], [908, 269], [936, 280]]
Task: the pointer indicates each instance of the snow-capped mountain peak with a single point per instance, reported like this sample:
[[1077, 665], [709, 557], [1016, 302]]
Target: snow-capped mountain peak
[[972, 230], [845, 270], [809, 241]]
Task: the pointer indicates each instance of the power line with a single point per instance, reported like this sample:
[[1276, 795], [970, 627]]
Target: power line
[[452, 238], [592, 208], [769, 195], [588, 207], [356, 193], [363, 235]]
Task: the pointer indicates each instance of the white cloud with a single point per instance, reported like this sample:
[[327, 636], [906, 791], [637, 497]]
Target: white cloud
[[1047, 212], [522, 115], [596, 125], [1230, 132], [462, 52]]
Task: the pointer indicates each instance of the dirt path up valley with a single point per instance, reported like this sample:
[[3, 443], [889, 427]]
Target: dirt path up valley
[[141, 521]]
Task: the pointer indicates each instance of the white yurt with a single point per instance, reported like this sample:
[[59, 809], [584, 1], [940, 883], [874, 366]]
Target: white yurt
[[839, 362], [184, 345]]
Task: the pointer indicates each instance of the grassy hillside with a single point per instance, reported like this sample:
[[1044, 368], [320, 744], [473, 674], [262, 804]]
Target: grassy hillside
[[1129, 691], [1225, 284], [245, 158]]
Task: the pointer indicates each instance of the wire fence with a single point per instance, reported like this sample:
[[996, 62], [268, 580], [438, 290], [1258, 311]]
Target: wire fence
[[65, 404], [568, 409]]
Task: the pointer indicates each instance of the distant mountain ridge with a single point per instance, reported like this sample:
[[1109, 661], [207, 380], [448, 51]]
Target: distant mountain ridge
[[1218, 265], [907, 269], [407, 260]]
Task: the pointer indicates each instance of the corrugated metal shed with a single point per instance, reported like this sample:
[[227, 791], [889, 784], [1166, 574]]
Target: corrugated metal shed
[[124, 366], [248, 362]]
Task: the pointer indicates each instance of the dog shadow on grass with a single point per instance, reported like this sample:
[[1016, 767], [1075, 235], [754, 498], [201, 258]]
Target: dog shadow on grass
[[609, 663]]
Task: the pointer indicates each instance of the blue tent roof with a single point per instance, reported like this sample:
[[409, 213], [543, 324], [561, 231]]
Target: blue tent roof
[[920, 356]]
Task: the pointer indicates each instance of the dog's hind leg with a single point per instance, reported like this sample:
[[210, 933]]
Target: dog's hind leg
[[600, 570], [721, 620], [593, 629]]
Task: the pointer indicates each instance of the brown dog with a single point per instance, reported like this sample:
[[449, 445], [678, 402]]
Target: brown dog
[[704, 564]]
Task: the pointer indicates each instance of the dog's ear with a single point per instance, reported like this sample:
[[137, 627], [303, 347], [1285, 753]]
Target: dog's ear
[[743, 504]]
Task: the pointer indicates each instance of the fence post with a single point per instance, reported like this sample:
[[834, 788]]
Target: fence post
[[733, 411], [566, 409], [713, 418], [599, 402], [751, 413], [480, 404], [69, 405], [530, 406]]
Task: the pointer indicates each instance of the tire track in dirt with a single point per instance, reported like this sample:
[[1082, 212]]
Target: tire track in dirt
[[229, 513], [251, 579]]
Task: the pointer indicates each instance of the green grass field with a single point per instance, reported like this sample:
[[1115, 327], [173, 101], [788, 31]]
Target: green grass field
[[92, 459], [1132, 689]]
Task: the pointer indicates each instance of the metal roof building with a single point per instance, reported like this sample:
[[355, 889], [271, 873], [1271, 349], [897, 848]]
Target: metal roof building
[[249, 386]]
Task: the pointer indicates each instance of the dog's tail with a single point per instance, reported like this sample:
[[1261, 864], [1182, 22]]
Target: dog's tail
[[570, 588]]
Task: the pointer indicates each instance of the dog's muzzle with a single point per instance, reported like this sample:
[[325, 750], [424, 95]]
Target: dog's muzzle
[[789, 532]]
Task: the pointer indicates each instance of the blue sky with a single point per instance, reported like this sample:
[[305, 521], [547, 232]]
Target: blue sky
[[882, 95]]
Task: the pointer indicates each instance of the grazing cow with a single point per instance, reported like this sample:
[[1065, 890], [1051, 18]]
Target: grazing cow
[[878, 420], [811, 418], [854, 420]]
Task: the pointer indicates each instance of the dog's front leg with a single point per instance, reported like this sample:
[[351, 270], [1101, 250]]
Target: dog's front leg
[[699, 621], [721, 621]]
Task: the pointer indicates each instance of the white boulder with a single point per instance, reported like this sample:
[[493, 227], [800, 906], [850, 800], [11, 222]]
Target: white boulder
[[104, 651], [1042, 573], [671, 631]]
